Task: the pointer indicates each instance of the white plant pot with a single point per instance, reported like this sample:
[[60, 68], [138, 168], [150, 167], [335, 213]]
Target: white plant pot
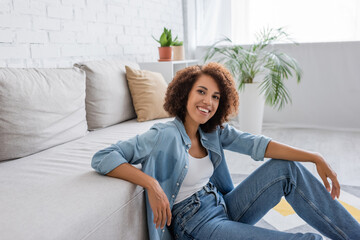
[[251, 110]]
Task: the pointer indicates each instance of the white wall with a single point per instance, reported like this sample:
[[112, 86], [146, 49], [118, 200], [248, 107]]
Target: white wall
[[329, 94], [57, 33]]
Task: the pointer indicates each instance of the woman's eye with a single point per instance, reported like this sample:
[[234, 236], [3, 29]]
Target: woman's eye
[[201, 92], [216, 97]]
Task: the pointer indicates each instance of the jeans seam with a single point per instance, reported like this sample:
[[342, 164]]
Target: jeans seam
[[258, 195], [189, 236], [341, 233], [194, 210], [210, 237], [323, 216]]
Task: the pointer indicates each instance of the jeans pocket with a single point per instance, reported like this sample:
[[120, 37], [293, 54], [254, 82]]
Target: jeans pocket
[[222, 202], [187, 213]]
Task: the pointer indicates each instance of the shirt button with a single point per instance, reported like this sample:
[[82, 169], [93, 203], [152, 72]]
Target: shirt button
[[186, 166], [173, 196], [177, 184], [163, 230]]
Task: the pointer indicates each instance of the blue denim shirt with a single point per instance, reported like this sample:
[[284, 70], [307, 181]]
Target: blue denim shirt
[[163, 153]]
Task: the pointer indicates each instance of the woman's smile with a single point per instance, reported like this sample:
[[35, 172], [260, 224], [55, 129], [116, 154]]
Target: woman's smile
[[204, 111], [203, 100]]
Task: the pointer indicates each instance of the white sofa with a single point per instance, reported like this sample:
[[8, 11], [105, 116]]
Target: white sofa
[[52, 192]]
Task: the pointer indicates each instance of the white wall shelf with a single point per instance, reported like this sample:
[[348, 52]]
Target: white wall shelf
[[167, 69]]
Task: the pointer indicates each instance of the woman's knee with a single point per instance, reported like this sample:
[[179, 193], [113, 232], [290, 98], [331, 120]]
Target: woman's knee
[[279, 164], [286, 167], [313, 236]]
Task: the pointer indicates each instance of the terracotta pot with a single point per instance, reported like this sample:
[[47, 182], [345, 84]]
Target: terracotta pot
[[178, 53], [165, 53]]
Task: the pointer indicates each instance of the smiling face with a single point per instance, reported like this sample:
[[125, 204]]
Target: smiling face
[[203, 100]]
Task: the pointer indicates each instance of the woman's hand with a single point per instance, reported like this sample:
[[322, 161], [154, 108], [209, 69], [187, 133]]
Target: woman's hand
[[281, 151], [159, 204], [324, 170]]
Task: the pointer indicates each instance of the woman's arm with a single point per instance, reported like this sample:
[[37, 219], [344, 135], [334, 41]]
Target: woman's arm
[[134, 151], [115, 161], [157, 198], [281, 151]]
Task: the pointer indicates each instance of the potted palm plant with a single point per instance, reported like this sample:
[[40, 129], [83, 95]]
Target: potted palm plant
[[165, 41], [260, 72]]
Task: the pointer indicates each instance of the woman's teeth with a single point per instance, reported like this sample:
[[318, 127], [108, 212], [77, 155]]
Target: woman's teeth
[[203, 110]]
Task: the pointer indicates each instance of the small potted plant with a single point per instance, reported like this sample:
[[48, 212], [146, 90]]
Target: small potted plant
[[178, 50], [260, 72], [165, 49]]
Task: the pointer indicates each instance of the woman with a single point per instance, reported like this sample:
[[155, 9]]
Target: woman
[[187, 182]]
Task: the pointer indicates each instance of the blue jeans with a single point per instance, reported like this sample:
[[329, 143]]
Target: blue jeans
[[208, 214]]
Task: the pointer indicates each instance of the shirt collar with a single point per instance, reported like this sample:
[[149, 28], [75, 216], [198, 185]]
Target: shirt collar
[[180, 125], [208, 144]]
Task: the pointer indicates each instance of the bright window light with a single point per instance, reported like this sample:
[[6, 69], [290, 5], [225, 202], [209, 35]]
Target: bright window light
[[304, 20]]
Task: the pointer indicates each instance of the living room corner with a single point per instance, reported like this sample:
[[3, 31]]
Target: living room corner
[[77, 76]]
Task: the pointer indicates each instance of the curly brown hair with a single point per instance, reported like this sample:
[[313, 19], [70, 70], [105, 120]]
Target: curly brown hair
[[178, 91]]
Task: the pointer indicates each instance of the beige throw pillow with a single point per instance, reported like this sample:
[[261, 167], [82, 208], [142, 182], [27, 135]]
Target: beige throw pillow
[[148, 93]]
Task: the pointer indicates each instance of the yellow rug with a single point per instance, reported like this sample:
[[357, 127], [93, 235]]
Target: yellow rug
[[285, 209]]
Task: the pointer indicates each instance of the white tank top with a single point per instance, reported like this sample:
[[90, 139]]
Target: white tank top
[[199, 172]]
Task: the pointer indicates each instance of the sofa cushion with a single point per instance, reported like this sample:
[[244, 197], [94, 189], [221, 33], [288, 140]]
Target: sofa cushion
[[148, 93], [55, 194], [39, 109], [108, 100]]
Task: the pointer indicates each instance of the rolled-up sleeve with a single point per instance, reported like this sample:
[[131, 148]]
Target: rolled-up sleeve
[[133, 151], [245, 143]]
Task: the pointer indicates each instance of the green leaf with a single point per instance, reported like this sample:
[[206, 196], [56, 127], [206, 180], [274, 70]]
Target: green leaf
[[165, 38], [260, 57]]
